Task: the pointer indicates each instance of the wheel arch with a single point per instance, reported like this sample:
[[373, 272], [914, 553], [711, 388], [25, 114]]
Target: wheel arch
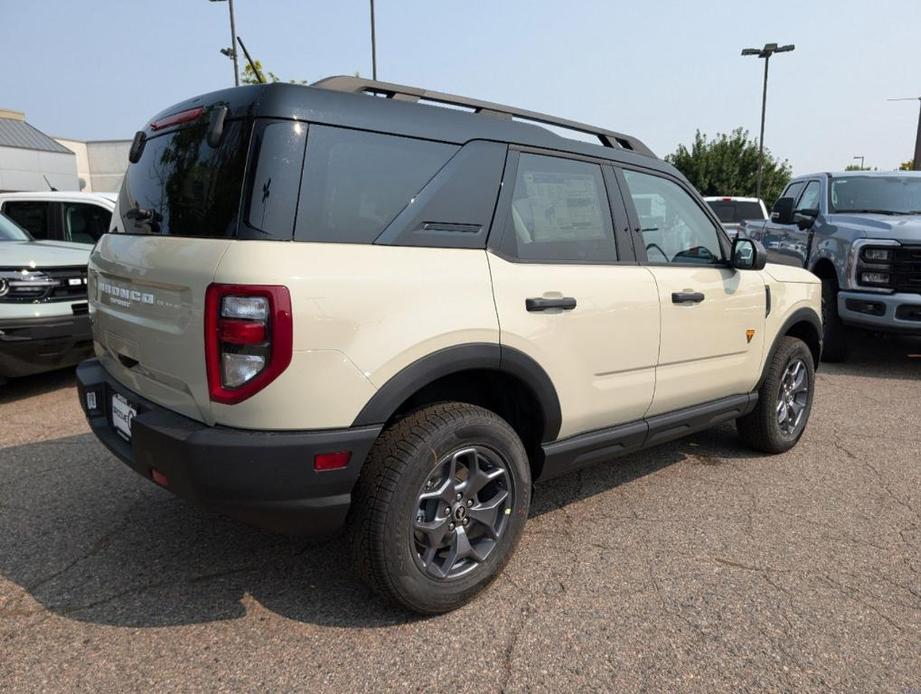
[[502, 379], [805, 324]]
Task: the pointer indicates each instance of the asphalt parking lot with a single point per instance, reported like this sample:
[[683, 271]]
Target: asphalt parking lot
[[693, 566]]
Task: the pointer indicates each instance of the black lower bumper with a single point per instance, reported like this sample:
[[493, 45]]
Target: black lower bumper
[[266, 478], [32, 345]]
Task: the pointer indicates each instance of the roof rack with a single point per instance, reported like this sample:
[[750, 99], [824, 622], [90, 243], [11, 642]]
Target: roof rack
[[400, 92]]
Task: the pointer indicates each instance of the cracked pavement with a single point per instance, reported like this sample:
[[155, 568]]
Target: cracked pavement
[[695, 566]]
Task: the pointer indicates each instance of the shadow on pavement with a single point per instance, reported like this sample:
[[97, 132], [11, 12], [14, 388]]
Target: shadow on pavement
[[39, 384], [874, 355]]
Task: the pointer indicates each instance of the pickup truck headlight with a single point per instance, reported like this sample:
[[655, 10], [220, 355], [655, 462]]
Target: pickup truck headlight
[[870, 265]]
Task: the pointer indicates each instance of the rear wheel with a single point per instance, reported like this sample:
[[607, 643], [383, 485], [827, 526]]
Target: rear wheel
[[834, 338], [440, 506], [784, 400]]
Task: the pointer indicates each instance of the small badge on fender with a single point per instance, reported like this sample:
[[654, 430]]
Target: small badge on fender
[[749, 334]]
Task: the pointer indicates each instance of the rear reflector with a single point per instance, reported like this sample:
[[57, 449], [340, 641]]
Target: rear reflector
[[331, 461], [159, 477], [241, 332]]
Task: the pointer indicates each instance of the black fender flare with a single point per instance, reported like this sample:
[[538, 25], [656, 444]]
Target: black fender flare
[[800, 315], [466, 357]]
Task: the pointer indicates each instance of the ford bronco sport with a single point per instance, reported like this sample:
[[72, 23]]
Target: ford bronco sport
[[347, 305]]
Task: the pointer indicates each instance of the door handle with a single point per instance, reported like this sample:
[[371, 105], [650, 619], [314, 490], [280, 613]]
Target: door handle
[[567, 303], [687, 297]]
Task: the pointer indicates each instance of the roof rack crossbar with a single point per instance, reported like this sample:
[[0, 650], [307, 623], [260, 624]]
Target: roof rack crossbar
[[400, 92]]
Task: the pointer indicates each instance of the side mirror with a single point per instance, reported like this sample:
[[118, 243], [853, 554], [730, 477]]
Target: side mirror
[[748, 254], [782, 212], [805, 218]]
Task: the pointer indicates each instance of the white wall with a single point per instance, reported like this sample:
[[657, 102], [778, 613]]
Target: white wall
[[108, 160], [22, 169]]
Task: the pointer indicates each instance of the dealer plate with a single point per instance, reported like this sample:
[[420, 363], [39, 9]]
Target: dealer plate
[[122, 416]]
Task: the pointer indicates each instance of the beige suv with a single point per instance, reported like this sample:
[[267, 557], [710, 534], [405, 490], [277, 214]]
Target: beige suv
[[346, 305]]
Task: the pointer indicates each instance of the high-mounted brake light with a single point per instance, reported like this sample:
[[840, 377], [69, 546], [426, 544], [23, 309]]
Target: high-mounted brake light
[[178, 118], [248, 338]]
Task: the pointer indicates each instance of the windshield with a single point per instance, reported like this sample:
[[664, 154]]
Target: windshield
[[730, 211], [883, 194], [10, 231]]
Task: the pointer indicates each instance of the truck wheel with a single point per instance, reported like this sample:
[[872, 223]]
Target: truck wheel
[[834, 338], [440, 506], [784, 400]]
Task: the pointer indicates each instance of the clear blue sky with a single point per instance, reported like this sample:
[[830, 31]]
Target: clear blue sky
[[657, 69]]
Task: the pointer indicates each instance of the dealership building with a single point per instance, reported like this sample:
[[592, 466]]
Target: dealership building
[[31, 160]]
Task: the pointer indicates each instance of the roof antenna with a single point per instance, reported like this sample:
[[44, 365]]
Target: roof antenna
[[48, 183], [251, 63]]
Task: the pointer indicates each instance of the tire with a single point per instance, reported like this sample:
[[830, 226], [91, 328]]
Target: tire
[[781, 415], [834, 337], [412, 540]]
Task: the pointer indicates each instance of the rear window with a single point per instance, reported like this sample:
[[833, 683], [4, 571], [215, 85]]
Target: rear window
[[183, 187], [355, 183], [730, 211]]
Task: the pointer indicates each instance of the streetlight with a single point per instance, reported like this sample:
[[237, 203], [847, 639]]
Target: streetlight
[[373, 46], [861, 162], [766, 53], [232, 51], [916, 162]]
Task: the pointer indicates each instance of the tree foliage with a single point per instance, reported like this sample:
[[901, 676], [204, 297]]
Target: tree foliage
[[728, 165], [249, 75], [858, 167], [906, 165]]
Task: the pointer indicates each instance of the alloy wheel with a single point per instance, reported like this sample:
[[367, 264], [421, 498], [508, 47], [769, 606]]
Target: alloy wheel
[[461, 512], [793, 397]]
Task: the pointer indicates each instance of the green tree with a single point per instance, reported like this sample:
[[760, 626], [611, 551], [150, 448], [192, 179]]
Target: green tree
[[728, 165], [906, 165], [249, 75], [858, 167]]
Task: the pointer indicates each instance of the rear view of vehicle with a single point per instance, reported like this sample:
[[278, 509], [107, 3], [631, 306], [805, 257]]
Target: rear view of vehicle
[[43, 310], [732, 211]]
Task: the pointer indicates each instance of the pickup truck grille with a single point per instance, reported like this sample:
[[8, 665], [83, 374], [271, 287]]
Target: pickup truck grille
[[906, 269], [43, 285]]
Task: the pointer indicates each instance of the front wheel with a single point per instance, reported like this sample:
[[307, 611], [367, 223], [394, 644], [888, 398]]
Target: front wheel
[[834, 338], [440, 506], [784, 399]]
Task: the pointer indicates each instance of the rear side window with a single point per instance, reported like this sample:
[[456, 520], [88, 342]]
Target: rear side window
[[31, 215], [184, 187], [559, 212], [84, 223], [355, 183], [278, 153]]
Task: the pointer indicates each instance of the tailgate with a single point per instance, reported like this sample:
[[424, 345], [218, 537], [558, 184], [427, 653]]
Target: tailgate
[[147, 297]]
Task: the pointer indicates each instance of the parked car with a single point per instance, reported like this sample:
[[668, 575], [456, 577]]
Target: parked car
[[61, 215], [860, 232], [44, 324], [322, 308], [732, 211]]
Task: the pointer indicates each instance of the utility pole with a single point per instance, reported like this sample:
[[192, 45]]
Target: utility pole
[[916, 162], [232, 51], [373, 46], [861, 161], [766, 53]]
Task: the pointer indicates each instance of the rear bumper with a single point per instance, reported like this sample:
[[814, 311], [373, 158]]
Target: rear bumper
[[265, 478], [32, 345], [892, 313]]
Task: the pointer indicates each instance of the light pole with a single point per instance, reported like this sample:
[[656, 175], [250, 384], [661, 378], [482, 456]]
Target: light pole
[[861, 162], [232, 51], [766, 53], [373, 46], [916, 162]]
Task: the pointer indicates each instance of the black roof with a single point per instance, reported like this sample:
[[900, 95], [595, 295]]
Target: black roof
[[346, 102]]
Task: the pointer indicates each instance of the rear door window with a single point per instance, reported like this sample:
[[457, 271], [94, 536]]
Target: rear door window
[[32, 215], [355, 183], [84, 222], [559, 212], [184, 187]]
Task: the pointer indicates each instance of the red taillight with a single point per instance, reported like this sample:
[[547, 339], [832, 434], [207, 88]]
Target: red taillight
[[178, 118], [159, 477], [331, 461], [249, 337]]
